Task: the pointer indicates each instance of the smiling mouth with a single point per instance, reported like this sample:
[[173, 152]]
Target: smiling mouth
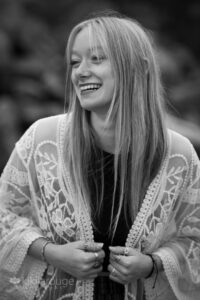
[[90, 87]]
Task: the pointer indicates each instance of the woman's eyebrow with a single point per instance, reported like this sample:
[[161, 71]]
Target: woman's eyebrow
[[90, 50], [74, 52]]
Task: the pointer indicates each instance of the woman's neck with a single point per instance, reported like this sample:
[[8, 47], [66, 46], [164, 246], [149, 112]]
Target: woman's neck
[[104, 133]]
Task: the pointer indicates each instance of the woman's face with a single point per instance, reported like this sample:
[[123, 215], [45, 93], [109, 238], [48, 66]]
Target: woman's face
[[92, 74]]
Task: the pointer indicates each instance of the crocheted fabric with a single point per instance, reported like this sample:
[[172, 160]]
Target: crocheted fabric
[[37, 199]]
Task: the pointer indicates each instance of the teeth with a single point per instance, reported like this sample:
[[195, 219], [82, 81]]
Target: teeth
[[93, 86]]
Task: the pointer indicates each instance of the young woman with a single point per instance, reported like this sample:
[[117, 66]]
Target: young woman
[[103, 202]]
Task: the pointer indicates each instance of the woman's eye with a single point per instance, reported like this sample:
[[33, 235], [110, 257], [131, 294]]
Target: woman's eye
[[97, 58], [74, 63]]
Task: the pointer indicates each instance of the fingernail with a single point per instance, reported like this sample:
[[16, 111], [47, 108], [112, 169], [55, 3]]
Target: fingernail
[[111, 248], [100, 245]]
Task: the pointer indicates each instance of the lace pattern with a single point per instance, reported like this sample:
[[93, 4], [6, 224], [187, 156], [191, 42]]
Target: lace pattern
[[37, 198], [16, 258], [12, 174]]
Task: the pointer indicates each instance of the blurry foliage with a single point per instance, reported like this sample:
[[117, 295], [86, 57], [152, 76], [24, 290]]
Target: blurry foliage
[[33, 36]]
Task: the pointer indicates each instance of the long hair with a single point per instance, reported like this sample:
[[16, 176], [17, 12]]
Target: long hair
[[136, 108]]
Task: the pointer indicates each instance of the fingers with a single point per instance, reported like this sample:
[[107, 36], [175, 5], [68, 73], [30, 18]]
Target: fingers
[[125, 251], [93, 253], [128, 263], [90, 265], [118, 250], [119, 254], [121, 258], [98, 260], [120, 269], [115, 275], [92, 272], [90, 246], [95, 257], [117, 258], [92, 262]]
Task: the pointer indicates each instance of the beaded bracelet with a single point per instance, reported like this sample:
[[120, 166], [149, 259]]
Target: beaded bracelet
[[154, 268], [43, 250]]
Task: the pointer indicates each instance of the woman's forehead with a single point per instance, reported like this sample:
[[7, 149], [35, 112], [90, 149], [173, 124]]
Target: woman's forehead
[[89, 37]]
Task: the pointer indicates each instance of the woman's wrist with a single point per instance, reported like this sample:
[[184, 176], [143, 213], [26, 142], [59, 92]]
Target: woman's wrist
[[43, 255], [50, 253], [158, 262], [155, 260], [38, 248], [156, 268], [150, 267]]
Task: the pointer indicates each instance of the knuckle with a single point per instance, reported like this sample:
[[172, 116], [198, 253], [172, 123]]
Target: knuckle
[[126, 264], [85, 259], [84, 268], [125, 272]]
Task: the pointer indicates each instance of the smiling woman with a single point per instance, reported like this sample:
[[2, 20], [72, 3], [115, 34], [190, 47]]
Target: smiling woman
[[92, 74], [103, 202]]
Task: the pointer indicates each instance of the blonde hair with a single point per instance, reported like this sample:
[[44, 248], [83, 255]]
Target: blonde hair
[[136, 108]]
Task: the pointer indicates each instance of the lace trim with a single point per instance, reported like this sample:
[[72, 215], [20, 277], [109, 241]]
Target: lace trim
[[174, 178], [83, 219], [17, 256], [84, 288], [172, 270], [62, 128], [64, 176], [32, 282], [137, 226]]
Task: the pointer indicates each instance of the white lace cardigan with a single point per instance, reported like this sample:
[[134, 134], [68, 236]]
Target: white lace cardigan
[[37, 199]]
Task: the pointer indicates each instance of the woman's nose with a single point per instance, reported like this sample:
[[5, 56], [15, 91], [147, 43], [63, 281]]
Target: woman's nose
[[83, 70]]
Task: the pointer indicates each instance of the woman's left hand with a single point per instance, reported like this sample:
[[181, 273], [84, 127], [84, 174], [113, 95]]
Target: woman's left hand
[[127, 264]]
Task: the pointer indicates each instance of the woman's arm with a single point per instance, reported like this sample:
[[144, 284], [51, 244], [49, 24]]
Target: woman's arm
[[71, 257], [18, 229]]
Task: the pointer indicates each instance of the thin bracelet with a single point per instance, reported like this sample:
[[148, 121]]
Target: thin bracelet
[[43, 250], [154, 269]]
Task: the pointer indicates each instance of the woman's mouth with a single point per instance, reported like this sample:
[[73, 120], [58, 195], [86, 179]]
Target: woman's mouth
[[88, 88]]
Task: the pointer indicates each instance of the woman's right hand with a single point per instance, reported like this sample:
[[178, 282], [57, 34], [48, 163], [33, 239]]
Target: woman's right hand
[[81, 260]]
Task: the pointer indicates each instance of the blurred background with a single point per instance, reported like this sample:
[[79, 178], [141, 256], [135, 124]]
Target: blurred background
[[33, 36]]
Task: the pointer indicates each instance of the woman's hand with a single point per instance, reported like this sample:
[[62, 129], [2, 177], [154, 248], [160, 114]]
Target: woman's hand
[[81, 260], [127, 264]]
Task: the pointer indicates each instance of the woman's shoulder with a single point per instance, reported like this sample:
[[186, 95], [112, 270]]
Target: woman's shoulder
[[50, 121], [48, 128], [179, 144], [44, 131]]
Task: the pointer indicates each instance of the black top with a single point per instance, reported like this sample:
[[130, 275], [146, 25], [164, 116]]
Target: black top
[[106, 289], [102, 221]]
